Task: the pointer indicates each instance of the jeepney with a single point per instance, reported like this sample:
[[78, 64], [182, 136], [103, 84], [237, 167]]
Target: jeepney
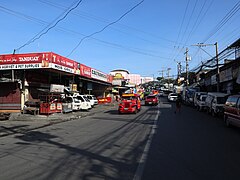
[[129, 103]]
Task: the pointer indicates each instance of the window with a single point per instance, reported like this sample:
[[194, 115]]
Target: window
[[221, 100], [232, 101]]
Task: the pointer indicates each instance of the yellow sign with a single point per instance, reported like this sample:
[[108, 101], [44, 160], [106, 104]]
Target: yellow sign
[[118, 76]]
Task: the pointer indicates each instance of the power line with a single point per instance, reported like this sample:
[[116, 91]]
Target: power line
[[43, 32], [99, 19], [225, 19], [180, 30], [105, 27], [39, 21]]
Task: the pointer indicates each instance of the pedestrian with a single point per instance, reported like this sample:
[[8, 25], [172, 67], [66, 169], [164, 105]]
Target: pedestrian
[[178, 104]]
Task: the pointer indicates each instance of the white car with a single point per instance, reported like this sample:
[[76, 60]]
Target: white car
[[85, 103], [74, 102], [172, 97], [92, 99], [89, 97]]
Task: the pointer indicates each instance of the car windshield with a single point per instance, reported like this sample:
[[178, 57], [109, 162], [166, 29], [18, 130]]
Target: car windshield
[[129, 98], [151, 97], [81, 98]]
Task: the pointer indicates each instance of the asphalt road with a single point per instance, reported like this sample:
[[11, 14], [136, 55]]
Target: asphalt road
[[192, 145], [155, 144], [105, 145]]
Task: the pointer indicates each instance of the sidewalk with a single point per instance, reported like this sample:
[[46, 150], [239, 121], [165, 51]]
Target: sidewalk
[[20, 123]]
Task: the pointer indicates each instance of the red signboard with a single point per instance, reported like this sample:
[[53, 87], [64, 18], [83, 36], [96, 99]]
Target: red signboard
[[109, 78], [21, 58], [50, 60], [85, 70]]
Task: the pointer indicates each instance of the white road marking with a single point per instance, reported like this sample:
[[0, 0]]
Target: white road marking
[[140, 168]]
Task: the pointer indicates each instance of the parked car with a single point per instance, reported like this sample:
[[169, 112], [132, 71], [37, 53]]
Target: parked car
[[85, 103], [215, 102], [197, 97], [201, 102], [151, 100], [232, 111], [75, 103], [93, 99], [172, 96]]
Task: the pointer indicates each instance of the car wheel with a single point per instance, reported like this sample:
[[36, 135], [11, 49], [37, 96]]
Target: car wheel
[[135, 111]]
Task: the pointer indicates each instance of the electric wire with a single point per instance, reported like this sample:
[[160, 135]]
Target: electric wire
[[225, 19], [115, 45], [180, 30], [99, 19], [189, 20], [49, 27], [105, 27]]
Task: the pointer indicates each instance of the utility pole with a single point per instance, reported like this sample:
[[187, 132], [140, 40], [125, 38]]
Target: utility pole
[[168, 71], [179, 68], [217, 60], [186, 67]]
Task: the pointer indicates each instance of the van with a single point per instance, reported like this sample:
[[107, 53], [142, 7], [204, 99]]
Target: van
[[197, 97], [75, 103], [215, 102], [201, 102], [232, 111]]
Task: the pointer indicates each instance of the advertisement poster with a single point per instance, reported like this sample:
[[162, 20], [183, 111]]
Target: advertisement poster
[[23, 61], [99, 75], [61, 63], [85, 71]]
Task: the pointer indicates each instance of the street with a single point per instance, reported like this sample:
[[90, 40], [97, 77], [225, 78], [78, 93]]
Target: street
[[102, 146], [192, 145], [153, 144]]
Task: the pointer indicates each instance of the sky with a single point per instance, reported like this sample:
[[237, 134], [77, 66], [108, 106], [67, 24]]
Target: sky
[[145, 37]]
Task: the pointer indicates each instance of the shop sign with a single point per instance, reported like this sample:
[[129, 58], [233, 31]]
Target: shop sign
[[76, 68], [20, 66], [117, 82], [61, 63], [73, 87], [118, 76], [89, 86], [109, 78], [85, 71], [99, 75], [57, 88], [21, 61]]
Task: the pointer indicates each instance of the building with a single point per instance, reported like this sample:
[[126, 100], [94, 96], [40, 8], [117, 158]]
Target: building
[[27, 76]]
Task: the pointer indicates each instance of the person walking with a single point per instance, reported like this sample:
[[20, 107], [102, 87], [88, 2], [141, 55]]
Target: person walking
[[178, 104]]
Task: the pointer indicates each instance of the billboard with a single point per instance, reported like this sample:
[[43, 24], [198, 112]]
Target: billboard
[[23, 61], [36, 61], [95, 74]]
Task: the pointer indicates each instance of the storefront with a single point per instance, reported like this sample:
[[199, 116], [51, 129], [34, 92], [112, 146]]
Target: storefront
[[27, 76]]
